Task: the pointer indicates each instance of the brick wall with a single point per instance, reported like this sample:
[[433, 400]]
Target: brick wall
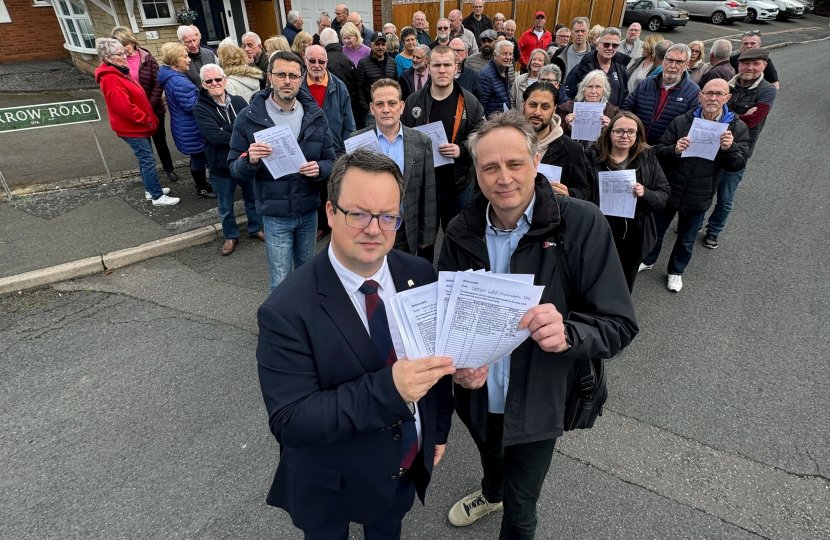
[[249, 9], [377, 16], [33, 34]]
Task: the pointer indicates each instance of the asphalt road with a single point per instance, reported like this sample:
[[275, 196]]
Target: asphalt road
[[131, 407]]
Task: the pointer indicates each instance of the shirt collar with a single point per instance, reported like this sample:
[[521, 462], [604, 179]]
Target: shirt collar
[[325, 79], [381, 135], [524, 221], [278, 107], [351, 281]]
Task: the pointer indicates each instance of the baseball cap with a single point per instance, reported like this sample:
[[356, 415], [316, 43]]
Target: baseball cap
[[378, 35], [539, 14], [489, 34], [758, 53]]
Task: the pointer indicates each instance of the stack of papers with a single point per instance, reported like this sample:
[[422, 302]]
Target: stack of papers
[[472, 317]]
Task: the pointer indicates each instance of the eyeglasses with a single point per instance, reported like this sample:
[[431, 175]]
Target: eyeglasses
[[217, 80], [610, 45], [361, 220], [315, 61], [442, 27], [627, 132], [675, 62], [710, 93], [752, 33], [119, 54], [281, 76]]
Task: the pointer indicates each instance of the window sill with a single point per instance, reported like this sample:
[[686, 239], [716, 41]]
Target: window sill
[[82, 50], [155, 23]]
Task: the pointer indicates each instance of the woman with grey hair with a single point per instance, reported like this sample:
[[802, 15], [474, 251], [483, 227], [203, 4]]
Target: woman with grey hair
[[594, 88], [538, 59], [552, 74], [130, 114]]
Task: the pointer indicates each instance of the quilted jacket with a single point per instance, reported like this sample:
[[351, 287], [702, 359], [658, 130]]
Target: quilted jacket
[[182, 96]]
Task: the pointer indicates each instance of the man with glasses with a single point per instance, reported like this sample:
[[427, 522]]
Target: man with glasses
[[563, 37], [288, 204], [633, 45], [416, 77], [341, 17], [477, 22], [412, 151], [752, 40], [604, 58], [457, 30], [419, 23], [534, 38], [694, 180], [442, 33], [365, 32], [360, 430], [660, 99], [568, 57], [467, 78]]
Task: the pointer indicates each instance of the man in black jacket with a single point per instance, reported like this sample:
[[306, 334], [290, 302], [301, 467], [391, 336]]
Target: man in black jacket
[[464, 76], [694, 180], [514, 409], [374, 67], [477, 22], [445, 101], [606, 58]]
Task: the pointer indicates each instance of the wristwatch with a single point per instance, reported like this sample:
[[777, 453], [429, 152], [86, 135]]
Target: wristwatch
[[568, 339]]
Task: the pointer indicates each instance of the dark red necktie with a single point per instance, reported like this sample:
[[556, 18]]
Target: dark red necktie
[[382, 340]]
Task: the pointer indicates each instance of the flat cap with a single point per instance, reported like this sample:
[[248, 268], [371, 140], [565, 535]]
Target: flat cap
[[488, 34], [758, 53]]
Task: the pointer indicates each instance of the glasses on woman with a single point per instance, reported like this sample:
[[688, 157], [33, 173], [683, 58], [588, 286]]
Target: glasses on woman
[[624, 132], [121, 54], [361, 220]]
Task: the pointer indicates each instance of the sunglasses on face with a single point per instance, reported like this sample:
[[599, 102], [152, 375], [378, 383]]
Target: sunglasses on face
[[217, 80], [610, 45], [442, 27], [315, 61]]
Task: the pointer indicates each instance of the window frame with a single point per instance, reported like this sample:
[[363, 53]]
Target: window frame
[[153, 22], [68, 45]]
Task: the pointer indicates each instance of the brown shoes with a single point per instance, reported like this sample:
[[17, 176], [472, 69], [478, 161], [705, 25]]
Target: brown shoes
[[259, 236], [228, 247]]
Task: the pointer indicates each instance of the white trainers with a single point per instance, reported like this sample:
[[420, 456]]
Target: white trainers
[[149, 197], [470, 509], [675, 283], [644, 266], [164, 200]]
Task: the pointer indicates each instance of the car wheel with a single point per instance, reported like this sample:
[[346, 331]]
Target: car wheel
[[751, 15], [718, 17], [654, 24]]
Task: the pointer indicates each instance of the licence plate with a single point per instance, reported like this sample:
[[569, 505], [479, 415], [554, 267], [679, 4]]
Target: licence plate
[[683, 16], [741, 8]]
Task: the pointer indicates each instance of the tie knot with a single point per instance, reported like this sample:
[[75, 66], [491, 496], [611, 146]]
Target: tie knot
[[369, 286]]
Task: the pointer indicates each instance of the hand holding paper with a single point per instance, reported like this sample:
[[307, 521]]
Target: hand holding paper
[[414, 378], [547, 329]]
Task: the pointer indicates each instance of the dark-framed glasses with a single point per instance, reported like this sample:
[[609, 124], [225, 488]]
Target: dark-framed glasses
[[620, 132], [217, 80], [282, 76], [710, 93], [610, 45], [361, 220]]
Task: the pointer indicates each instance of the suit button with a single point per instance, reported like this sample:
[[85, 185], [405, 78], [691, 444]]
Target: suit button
[[393, 476], [396, 437], [400, 422]]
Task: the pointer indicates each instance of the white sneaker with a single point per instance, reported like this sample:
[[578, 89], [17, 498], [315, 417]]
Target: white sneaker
[[149, 197], [675, 283], [644, 266], [470, 509], [164, 200]]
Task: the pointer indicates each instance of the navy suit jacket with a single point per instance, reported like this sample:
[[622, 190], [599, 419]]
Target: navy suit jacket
[[332, 404]]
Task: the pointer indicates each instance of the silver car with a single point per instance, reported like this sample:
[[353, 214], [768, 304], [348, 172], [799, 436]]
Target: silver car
[[760, 10], [717, 11]]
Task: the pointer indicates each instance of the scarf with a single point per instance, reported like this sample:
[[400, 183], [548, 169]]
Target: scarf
[[555, 133], [125, 70]]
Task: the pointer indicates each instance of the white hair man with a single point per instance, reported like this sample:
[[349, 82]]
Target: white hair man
[[323, 22], [419, 23], [256, 55], [719, 60], [293, 26], [199, 56], [495, 79]]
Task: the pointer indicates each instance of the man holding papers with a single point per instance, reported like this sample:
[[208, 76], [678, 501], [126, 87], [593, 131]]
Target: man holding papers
[[694, 180], [412, 152], [359, 431], [514, 409], [287, 203]]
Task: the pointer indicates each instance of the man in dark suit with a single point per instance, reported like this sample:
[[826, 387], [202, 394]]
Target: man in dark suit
[[359, 431]]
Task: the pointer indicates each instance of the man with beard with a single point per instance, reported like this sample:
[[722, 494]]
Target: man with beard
[[477, 61], [417, 76], [556, 148], [442, 33]]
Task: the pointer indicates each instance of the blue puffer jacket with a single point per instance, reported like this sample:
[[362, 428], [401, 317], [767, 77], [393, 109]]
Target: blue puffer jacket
[[182, 96], [495, 89], [292, 195], [656, 108]]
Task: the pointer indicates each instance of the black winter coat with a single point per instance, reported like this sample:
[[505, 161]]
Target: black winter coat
[[469, 80], [598, 310], [566, 153], [148, 78], [655, 195], [589, 63], [694, 181], [341, 66], [416, 113], [368, 71], [216, 125]]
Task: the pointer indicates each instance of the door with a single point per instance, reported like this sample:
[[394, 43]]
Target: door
[[212, 21], [235, 18]]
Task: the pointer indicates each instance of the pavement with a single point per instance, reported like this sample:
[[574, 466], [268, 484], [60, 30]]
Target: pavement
[[132, 408]]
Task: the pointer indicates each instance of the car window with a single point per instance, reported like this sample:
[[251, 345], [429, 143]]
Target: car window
[[643, 5], [662, 4]]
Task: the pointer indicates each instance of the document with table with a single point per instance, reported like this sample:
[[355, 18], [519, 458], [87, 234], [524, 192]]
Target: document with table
[[286, 157], [438, 136], [616, 194], [367, 140], [705, 136], [472, 317], [587, 123]]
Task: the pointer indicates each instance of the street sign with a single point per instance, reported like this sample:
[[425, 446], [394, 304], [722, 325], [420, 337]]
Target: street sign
[[48, 115]]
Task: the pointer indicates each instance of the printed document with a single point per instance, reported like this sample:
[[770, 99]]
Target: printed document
[[551, 172], [286, 157], [705, 136], [616, 196], [587, 124], [367, 141], [438, 136]]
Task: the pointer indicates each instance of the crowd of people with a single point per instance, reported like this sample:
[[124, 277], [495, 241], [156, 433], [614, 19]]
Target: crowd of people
[[497, 97]]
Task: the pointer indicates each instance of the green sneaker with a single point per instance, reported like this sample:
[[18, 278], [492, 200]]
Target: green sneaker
[[470, 509]]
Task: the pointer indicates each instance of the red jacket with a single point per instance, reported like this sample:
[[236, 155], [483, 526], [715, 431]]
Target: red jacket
[[529, 41], [129, 110]]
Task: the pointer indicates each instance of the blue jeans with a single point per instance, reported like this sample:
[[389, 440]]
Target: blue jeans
[[225, 187], [143, 151], [726, 196], [687, 226], [289, 240]]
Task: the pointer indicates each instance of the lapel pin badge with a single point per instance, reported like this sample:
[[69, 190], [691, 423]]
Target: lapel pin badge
[[410, 283]]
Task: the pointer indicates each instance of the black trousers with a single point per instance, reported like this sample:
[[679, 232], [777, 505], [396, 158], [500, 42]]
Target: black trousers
[[160, 142], [387, 528], [513, 475]]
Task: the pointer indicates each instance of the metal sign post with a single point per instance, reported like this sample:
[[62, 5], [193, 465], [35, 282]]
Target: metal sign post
[[50, 115]]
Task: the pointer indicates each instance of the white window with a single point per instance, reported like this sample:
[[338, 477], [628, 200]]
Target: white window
[[77, 30], [4, 13], [157, 12], [41, 3]]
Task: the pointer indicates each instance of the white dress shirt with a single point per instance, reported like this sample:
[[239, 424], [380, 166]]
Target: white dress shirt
[[386, 288]]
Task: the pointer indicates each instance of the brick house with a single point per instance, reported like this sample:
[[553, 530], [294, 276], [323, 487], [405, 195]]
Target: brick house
[[29, 31]]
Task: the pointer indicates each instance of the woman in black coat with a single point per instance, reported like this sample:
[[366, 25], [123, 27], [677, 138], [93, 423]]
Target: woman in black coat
[[622, 145]]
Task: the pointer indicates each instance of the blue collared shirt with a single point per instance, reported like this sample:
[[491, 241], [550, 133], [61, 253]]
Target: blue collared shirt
[[392, 149], [500, 247]]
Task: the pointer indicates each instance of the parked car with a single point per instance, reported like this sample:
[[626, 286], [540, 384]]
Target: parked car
[[789, 9], [760, 10], [809, 5], [717, 11], [655, 14]]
